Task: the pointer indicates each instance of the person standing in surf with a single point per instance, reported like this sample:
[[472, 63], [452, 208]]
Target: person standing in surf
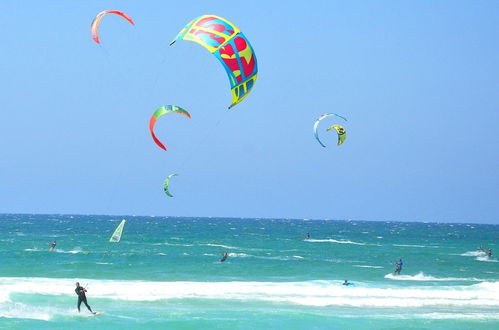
[[80, 291]]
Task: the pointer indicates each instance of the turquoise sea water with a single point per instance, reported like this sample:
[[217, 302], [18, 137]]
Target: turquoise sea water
[[165, 274]]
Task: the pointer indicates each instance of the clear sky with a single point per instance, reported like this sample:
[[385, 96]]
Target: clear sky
[[417, 80]]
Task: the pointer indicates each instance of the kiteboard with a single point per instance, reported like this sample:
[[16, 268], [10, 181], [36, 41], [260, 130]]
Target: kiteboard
[[98, 313]]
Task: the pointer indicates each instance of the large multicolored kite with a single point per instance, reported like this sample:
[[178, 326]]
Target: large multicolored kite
[[94, 28], [224, 40], [160, 112], [338, 128]]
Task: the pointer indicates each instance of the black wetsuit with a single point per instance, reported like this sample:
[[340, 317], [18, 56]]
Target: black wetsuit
[[80, 291], [225, 255]]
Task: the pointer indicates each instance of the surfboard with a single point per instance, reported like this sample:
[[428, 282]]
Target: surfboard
[[98, 313]]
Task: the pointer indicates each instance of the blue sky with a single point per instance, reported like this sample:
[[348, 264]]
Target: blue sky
[[418, 82]]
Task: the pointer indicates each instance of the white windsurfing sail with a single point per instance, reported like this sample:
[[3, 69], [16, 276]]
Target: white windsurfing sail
[[117, 233]]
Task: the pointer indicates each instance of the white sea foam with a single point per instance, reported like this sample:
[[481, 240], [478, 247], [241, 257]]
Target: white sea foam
[[171, 244], [473, 254], [45, 313], [486, 259], [481, 316], [221, 245], [174, 244], [480, 256], [74, 251], [7, 240], [415, 245], [333, 241], [4, 296], [241, 255], [33, 250], [457, 316], [367, 266], [233, 247], [245, 255], [309, 293], [422, 277], [21, 311]]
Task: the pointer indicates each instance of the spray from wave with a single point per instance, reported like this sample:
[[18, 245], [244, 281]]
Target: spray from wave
[[333, 241], [422, 277]]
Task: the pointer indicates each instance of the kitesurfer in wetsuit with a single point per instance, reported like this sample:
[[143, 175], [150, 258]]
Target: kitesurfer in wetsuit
[[346, 283], [308, 236], [80, 291], [224, 257], [398, 267], [489, 253], [52, 245]]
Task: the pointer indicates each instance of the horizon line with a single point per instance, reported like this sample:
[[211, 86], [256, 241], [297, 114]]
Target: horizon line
[[252, 218]]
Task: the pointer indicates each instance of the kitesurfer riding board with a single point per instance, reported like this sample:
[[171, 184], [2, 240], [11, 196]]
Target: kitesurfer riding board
[[82, 298]]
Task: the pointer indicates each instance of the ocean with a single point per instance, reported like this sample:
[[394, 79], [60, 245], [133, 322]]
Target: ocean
[[165, 273]]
